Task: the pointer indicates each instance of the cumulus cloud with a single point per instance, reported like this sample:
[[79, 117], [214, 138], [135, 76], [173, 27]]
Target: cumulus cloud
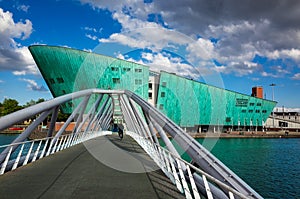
[[33, 86], [13, 56], [230, 32]]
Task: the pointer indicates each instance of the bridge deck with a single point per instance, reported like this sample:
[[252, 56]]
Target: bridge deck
[[99, 168]]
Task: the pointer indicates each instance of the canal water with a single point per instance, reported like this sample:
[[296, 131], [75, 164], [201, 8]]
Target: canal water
[[270, 166]]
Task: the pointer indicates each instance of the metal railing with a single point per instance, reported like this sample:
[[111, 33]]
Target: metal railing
[[32, 150], [183, 178], [207, 176]]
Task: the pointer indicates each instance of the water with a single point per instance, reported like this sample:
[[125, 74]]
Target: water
[[7, 138], [269, 166]]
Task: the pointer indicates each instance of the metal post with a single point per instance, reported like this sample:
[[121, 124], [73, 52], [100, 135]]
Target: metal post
[[273, 85]]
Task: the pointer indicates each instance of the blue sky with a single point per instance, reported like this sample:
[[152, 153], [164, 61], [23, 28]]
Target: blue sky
[[235, 44]]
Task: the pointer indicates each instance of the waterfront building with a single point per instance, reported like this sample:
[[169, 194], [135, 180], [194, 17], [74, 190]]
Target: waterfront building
[[193, 105]]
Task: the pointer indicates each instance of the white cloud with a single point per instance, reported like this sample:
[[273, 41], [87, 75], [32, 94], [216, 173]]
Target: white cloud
[[296, 76], [92, 37], [23, 8], [13, 56], [241, 31], [32, 85]]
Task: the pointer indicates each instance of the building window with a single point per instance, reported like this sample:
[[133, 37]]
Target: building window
[[60, 80], [250, 111], [164, 84], [228, 119], [243, 111], [258, 104], [264, 111], [64, 92], [163, 94], [138, 81], [51, 81], [116, 80], [150, 86], [114, 69], [251, 104], [126, 69], [138, 70], [257, 111], [161, 107], [150, 95]]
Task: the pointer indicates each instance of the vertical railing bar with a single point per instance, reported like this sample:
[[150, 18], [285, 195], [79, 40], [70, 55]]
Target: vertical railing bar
[[18, 158], [193, 184], [60, 142], [44, 149], [28, 154], [37, 151], [50, 146], [54, 147], [4, 164], [63, 143], [177, 181], [208, 192], [183, 181]]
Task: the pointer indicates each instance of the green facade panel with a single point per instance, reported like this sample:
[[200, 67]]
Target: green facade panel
[[68, 70], [190, 103]]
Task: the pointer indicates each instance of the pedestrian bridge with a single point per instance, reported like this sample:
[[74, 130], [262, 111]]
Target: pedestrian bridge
[[94, 162]]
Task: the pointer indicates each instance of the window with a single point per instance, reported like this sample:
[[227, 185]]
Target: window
[[264, 111], [138, 70], [114, 69], [138, 81], [258, 104], [116, 80], [250, 111], [251, 104], [257, 111], [163, 94], [228, 119], [150, 95], [243, 111], [161, 107], [150, 86], [126, 69], [164, 84], [63, 91], [51, 81], [60, 80]]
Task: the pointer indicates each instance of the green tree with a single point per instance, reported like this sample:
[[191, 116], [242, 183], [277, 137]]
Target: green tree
[[9, 106]]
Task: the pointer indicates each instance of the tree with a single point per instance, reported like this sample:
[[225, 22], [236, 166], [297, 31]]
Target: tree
[[9, 106]]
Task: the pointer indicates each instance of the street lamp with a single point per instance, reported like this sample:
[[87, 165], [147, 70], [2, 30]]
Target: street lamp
[[273, 85]]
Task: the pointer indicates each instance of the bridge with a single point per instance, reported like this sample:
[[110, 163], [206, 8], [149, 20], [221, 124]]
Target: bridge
[[93, 161]]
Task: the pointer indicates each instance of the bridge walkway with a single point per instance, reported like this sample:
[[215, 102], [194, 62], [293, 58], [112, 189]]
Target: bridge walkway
[[103, 167]]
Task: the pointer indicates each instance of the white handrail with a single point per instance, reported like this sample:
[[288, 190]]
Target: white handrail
[[145, 144]]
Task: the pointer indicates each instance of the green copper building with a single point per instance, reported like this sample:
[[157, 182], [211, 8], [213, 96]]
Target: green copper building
[[188, 103]]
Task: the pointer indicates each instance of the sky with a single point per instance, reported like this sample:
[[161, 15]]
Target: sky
[[232, 44]]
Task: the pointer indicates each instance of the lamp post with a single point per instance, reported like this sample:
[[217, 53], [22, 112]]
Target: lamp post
[[273, 85]]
